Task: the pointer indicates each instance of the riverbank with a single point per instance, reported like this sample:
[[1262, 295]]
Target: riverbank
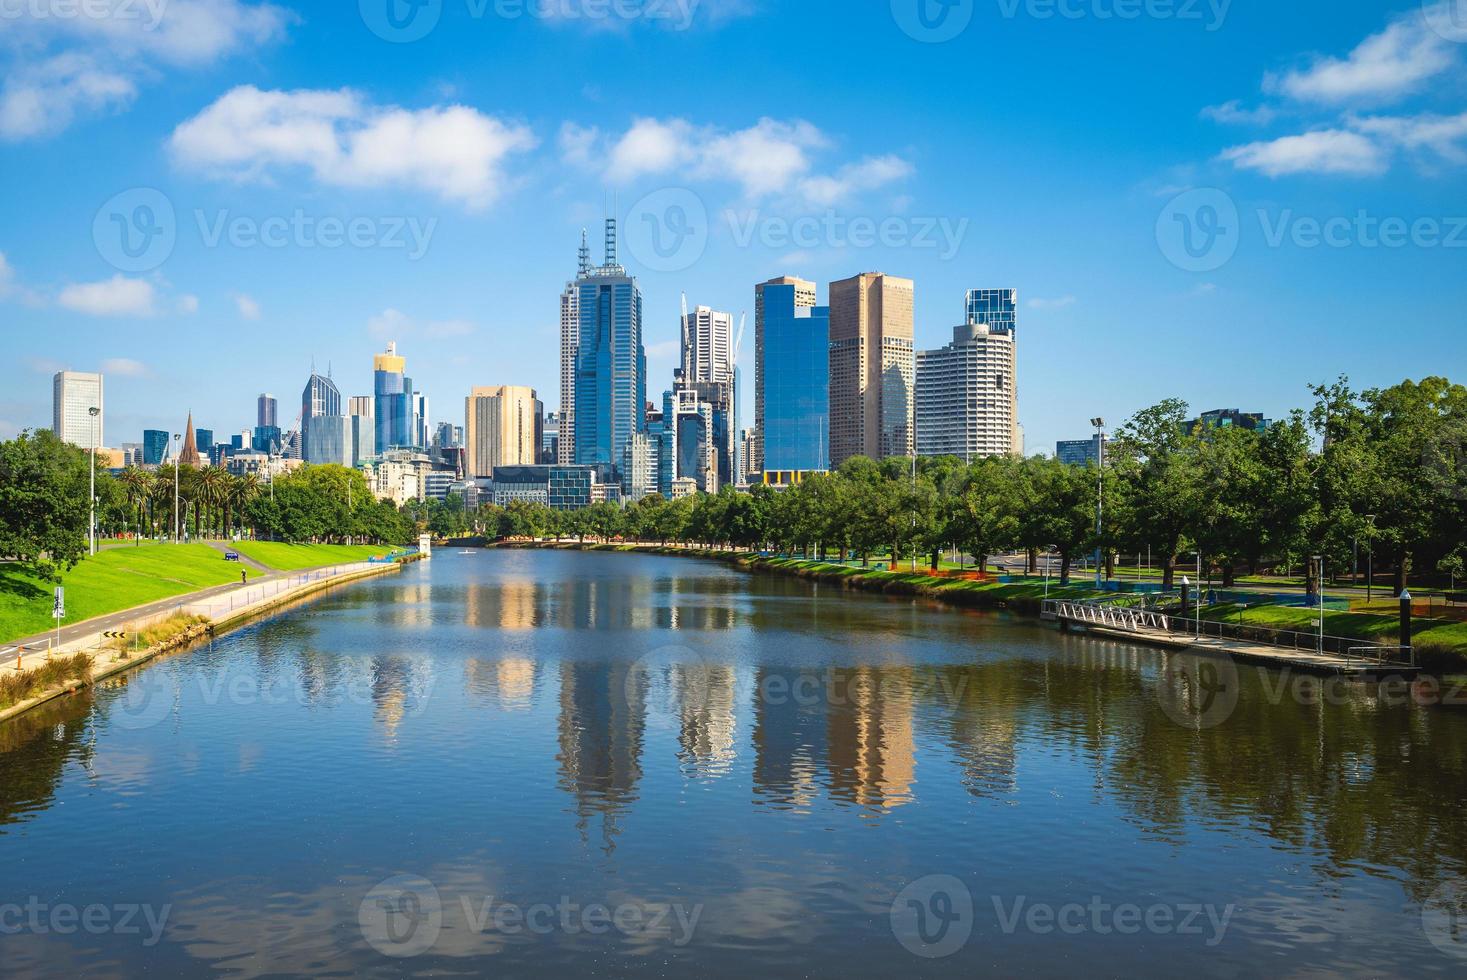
[[1441, 645], [206, 617]]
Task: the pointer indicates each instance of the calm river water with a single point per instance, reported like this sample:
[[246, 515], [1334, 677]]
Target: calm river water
[[560, 764]]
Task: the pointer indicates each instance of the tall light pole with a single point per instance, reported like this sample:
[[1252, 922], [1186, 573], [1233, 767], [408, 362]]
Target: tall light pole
[[94, 412], [1099, 424], [1319, 563], [176, 439], [1370, 560]]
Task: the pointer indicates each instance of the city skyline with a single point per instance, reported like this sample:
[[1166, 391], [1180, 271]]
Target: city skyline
[[1069, 215]]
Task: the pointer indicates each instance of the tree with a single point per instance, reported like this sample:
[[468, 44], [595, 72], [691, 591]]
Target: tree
[[44, 503]]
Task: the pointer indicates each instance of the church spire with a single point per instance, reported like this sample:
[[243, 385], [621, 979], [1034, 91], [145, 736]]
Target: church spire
[[189, 454]]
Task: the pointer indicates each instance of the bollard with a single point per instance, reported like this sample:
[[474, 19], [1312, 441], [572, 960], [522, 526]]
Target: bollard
[[1405, 622]]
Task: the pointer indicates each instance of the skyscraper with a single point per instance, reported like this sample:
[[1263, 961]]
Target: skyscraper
[[501, 428], [155, 447], [393, 407], [804, 298], [707, 346], [266, 415], [570, 342], [74, 395], [792, 378], [967, 403], [326, 434], [611, 364], [872, 368], [996, 308]]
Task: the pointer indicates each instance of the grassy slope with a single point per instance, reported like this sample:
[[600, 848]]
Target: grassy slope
[[293, 557], [115, 579]]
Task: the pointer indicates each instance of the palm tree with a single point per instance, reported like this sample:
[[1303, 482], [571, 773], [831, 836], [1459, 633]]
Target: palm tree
[[137, 484], [212, 489], [243, 489]]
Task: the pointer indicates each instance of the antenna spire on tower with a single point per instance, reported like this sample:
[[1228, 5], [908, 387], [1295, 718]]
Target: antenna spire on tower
[[611, 241], [584, 256]]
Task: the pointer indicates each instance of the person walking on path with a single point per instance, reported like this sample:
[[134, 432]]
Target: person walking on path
[[244, 577]]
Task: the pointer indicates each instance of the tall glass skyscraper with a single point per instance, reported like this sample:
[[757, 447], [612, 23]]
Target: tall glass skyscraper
[[325, 432], [611, 364], [793, 405], [393, 401]]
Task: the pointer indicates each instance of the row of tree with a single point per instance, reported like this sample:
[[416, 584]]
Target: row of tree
[[1381, 470], [44, 511]]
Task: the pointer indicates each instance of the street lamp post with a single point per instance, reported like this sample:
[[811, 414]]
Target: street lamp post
[[1099, 424], [94, 412], [1370, 560], [1319, 561], [176, 440]]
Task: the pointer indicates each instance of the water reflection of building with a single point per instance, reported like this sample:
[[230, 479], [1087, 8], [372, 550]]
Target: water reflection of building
[[872, 749], [603, 717], [511, 604], [509, 683], [705, 697], [399, 687], [790, 746]]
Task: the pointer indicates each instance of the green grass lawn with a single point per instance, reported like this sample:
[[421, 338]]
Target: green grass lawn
[[116, 579], [294, 557]]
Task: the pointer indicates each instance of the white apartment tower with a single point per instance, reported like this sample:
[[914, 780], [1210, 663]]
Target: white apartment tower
[[74, 395], [570, 343], [967, 395]]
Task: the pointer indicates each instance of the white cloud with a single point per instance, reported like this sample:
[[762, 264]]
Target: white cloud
[[869, 174], [43, 99], [1057, 303], [68, 59], [7, 276], [392, 324], [1443, 135], [248, 308], [188, 304], [771, 157], [1233, 114], [1327, 151], [453, 151], [124, 367], [1397, 62], [118, 296]]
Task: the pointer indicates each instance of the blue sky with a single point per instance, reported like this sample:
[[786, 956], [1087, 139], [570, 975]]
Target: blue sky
[[1217, 201]]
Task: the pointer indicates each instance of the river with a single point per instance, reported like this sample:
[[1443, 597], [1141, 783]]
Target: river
[[531, 763]]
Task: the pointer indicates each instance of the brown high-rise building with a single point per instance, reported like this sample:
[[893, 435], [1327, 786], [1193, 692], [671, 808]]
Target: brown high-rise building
[[872, 368], [501, 428]]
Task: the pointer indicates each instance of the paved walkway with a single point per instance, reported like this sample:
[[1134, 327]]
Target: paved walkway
[[215, 602]]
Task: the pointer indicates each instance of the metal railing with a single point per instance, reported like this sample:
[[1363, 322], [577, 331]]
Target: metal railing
[[1107, 614]]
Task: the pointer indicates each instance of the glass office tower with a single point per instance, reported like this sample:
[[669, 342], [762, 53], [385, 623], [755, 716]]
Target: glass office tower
[[611, 364], [393, 401], [998, 308], [794, 427]]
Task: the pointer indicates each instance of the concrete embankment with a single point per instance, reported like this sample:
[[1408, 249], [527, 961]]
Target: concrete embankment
[[190, 622]]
